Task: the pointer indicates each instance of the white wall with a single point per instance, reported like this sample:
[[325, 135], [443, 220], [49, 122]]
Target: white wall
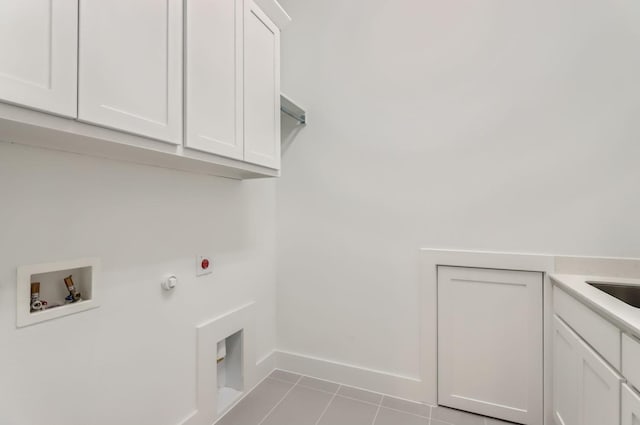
[[488, 125], [132, 361]]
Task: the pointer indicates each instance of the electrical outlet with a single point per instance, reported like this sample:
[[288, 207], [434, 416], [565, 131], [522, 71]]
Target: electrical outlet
[[204, 265]]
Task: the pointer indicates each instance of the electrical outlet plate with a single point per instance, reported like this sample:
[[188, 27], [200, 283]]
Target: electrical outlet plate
[[204, 265]]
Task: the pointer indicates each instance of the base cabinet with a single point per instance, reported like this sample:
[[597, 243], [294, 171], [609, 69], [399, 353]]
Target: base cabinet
[[586, 388], [630, 406], [566, 363], [490, 342]]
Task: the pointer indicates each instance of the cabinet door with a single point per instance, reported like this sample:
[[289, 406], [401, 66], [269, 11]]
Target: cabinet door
[[131, 66], [261, 89], [630, 406], [213, 30], [600, 390], [38, 47], [566, 376], [490, 342], [586, 388]]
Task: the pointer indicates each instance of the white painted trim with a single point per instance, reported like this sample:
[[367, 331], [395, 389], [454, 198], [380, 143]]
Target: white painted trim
[[548, 346], [430, 259], [368, 379], [275, 12], [208, 334], [266, 365], [33, 128]]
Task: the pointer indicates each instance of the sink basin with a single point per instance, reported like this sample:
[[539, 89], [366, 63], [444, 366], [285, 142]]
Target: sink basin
[[629, 294]]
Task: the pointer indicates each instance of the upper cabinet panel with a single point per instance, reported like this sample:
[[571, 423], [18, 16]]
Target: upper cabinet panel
[[38, 47], [261, 89], [130, 66], [213, 31]]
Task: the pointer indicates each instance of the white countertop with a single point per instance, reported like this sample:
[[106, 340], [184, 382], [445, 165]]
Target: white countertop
[[618, 312]]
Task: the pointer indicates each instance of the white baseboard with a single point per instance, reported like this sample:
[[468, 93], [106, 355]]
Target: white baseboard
[[368, 379], [355, 376], [265, 366]]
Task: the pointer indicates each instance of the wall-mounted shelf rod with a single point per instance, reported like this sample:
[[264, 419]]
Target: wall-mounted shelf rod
[[290, 108]]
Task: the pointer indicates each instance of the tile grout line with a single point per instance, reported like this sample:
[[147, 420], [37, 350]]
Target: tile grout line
[[406, 412], [342, 395], [280, 402], [339, 395], [440, 421], [378, 403], [309, 387], [328, 404], [375, 418], [335, 394], [409, 413], [358, 400], [282, 380], [382, 395]]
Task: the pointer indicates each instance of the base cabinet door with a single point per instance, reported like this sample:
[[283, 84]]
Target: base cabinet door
[[630, 406], [600, 390], [261, 89], [586, 388], [39, 51], [130, 66], [566, 375], [490, 343]]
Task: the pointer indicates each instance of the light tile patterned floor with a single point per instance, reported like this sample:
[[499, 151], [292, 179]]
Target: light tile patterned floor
[[286, 398]]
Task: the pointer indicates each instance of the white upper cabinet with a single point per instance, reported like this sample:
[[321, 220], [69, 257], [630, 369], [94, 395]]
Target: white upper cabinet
[[261, 89], [213, 43], [130, 66], [38, 51], [184, 84]]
